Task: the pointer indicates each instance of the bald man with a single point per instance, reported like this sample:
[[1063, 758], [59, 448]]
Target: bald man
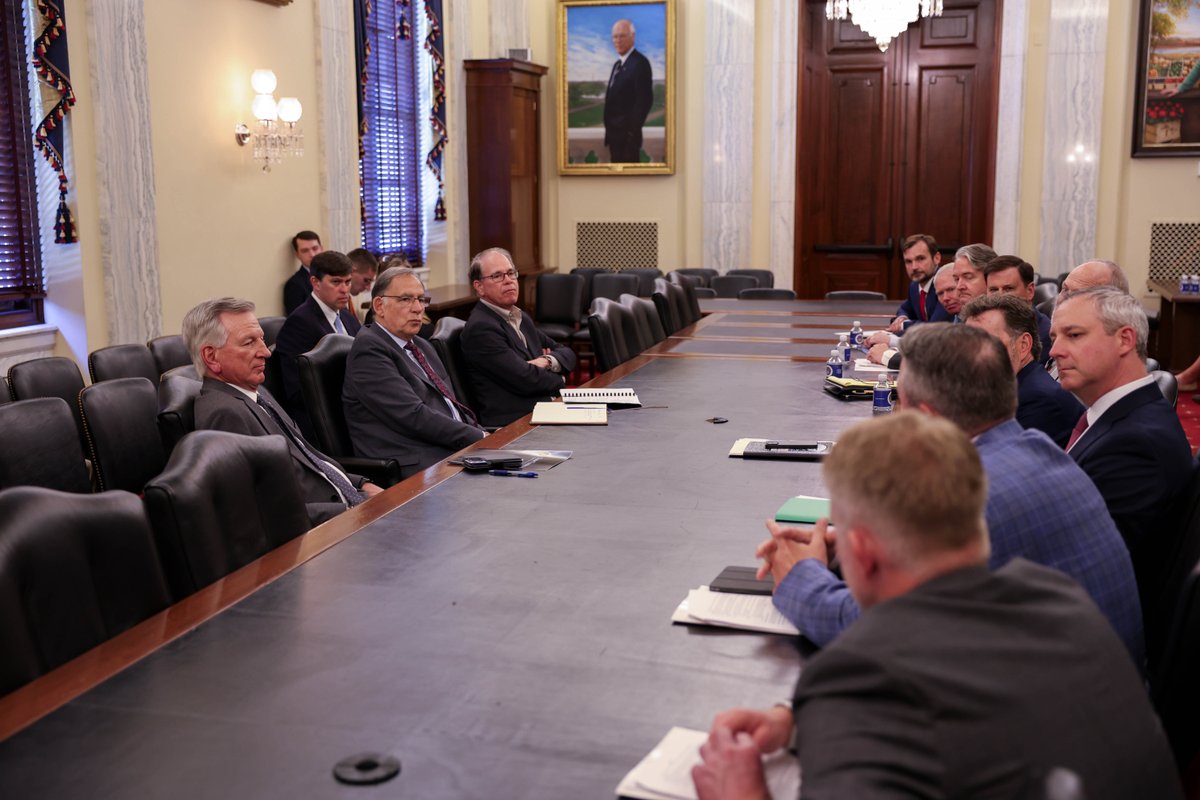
[[1096, 273], [628, 98]]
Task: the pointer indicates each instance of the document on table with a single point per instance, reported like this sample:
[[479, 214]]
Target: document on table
[[666, 772], [865, 365], [569, 414], [750, 612]]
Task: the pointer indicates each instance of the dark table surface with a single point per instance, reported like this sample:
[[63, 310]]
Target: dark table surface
[[502, 637]]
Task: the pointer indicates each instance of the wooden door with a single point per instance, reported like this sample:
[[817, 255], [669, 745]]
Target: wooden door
[[891, 144]]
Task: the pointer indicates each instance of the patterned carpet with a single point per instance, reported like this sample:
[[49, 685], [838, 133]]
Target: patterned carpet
[[1189, 416]]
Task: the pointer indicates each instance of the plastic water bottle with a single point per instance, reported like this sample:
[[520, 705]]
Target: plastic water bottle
[[881, 398], [1185, 284], [1195, 284], [847, 350], [833, 367], [856, 334]]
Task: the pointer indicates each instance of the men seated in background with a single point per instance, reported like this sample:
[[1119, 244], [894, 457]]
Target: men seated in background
[[1040, 505], [305, 244], [226, 344], [512, 365], [397, 396], [921, 260], [1129, 442], [957, 681], [1013, 275], [1096, 273], [364, 267], [969, 262], [1041, 402], [324, 312], [885, 348]]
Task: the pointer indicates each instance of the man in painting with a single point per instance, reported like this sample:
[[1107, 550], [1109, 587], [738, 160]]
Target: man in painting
[[628, 98]]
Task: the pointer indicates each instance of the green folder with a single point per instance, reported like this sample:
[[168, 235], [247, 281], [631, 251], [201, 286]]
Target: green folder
[[803, 508]]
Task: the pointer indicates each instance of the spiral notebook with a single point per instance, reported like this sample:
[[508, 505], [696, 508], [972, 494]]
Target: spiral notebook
[[616, 398]]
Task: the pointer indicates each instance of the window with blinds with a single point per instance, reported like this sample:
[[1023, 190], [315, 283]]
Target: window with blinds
[[391, 162], [21, 289]]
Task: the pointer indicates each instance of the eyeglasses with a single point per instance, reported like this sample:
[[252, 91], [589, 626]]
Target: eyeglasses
[[500, 276], [408, 299]]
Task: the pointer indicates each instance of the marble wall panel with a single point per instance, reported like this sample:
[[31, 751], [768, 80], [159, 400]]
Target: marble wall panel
[[509, 29], [339, 143], [124, 170], [1007, 208], [782, 118]]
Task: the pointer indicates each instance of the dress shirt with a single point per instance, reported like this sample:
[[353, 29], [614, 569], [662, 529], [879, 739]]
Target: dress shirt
[[403, 344], [1109, 399], [513, 317], [331, 314]]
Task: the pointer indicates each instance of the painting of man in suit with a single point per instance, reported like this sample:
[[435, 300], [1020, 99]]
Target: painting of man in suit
[[629, 96]]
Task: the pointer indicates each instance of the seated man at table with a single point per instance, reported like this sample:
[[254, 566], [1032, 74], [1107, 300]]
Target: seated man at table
[[364, 268], [1041, 402], [1040, 505], [957, 681], [1096, 272], [397, 396], [512, 364], [226, 345], [921, 260], [1013, 275], [884, 347]]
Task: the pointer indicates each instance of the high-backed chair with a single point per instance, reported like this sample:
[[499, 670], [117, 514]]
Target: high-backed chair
[[649, 323], [447, 341], [49, 377], [1174, 688], [223, 501], [668, 312], [587, 273], [766, 294], [187, 370], [169, 352], [121, 420], [176, 414], [40, 446], [122, 361], [559, 298], [1045, 291], [704, 274], [1047, 306], [1152, 364], [5, 392], [730, 285], [855, 294], [273, 375], [75, 570], [1167, 384], [632, 339], [646, 277], [766, 278], [704, 291], [271, 326], [690, 310], [612, 285], [322, 372], [688, 280], [608, 334]]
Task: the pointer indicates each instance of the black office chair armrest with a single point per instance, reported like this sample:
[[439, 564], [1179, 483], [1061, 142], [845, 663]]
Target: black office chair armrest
[[383, 472]]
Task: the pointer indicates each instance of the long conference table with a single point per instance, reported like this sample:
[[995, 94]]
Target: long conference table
[[502, 638]]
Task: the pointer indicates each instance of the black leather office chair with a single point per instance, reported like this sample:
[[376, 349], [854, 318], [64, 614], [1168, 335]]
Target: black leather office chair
[[273, 376], [1167, 384], [766, 294], [322, 372], [223, 501], [559, 298], [1152, 364], [169, 352], [40, 446], [689, 280], [1181, 551], [176, 415], [704, 291], [50, 377], [447, 341], [1174, 688], [668, 312], [5, 392], [122, 361], [730, 285], [188, 371], [121, 420], [608, 334], [766, 278], [690, 307], [588, 274], [705, 275], [1047, 306], [855, 294], [75, 570], [646, 315], [646, 277], [1044, 291], [271, 326], [612, 285]]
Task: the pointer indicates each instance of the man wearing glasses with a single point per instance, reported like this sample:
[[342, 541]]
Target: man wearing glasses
[[512, 364], [397, 395]]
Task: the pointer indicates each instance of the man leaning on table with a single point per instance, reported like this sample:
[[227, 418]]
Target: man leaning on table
[[957, 681], [921, 260]]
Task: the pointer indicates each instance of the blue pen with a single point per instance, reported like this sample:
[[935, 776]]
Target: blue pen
[[507, 473]]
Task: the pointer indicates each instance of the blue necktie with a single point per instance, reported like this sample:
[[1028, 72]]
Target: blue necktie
[[353, 496]]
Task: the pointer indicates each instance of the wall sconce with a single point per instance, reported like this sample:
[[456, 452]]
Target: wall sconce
[[271, 141]]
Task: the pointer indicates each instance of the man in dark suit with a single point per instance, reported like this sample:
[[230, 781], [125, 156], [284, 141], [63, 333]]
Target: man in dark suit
[[957, 681], [921, 261], [397, 396], [306, 245], [512, 364], [884, 347], [325, 311], [1041, 402], [1015, 276], [628, 98], [1129, 442], [226, 344]]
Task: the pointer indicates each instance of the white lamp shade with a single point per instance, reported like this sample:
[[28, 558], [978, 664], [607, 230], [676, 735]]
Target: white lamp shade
[[263, 81], [289, 109], [264, 108]]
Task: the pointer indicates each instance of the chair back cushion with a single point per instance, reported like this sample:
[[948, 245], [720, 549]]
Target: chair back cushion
[[646, 277], [612, 284], [730, 285], [322, 373], [120, 417], [766, 294], [559, 298], [176, 409], [447, 341], [668, 312], [122, 361], [646, 315], [704, 274], [49, 377], [765, 278], [169, 352], [271, 326], [608, 338], [40, 446]]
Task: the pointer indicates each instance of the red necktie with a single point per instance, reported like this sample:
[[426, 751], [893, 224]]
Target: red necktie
[[467, 415], [924, 315], [1078, 430]]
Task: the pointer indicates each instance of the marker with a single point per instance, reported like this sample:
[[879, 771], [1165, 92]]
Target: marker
[[507, 473]]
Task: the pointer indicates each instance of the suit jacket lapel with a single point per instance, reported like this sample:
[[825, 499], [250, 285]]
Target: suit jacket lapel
[[406, 361], [1118, 412], [511, 334]]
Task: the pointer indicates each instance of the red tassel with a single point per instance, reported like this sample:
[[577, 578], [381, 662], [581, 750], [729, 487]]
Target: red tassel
[[439, 210], [64, 226]]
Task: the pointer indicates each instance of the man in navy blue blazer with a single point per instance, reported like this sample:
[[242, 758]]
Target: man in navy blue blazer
[[1041, 402], [306, 245], [1014, 275], [921, 260], [325, 311], [1129, 442]]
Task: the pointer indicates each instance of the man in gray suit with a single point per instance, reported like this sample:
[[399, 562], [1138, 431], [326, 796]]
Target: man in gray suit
[[397, 396], [956, 681], [226, 345]]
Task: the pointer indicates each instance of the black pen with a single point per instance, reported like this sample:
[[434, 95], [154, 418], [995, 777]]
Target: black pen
[[507, 473]]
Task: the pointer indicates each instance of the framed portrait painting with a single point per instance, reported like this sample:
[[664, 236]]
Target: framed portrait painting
[[1166, 119], [616, 87]]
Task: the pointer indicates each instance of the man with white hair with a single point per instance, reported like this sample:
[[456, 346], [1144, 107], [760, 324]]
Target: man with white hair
[[628, 98]]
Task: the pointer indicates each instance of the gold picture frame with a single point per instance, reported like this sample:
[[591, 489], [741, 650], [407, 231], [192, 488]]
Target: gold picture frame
[[608, 113]]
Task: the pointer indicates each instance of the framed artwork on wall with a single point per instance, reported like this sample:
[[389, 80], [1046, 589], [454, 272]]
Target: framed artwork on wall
[[616, 87], [1166, 117]]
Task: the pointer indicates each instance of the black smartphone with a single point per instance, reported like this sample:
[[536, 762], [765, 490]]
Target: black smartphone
[[741, 580]]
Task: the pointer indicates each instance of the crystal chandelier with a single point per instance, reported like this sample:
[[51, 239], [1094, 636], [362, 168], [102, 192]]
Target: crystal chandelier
[[883, 20], [272, 141]]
